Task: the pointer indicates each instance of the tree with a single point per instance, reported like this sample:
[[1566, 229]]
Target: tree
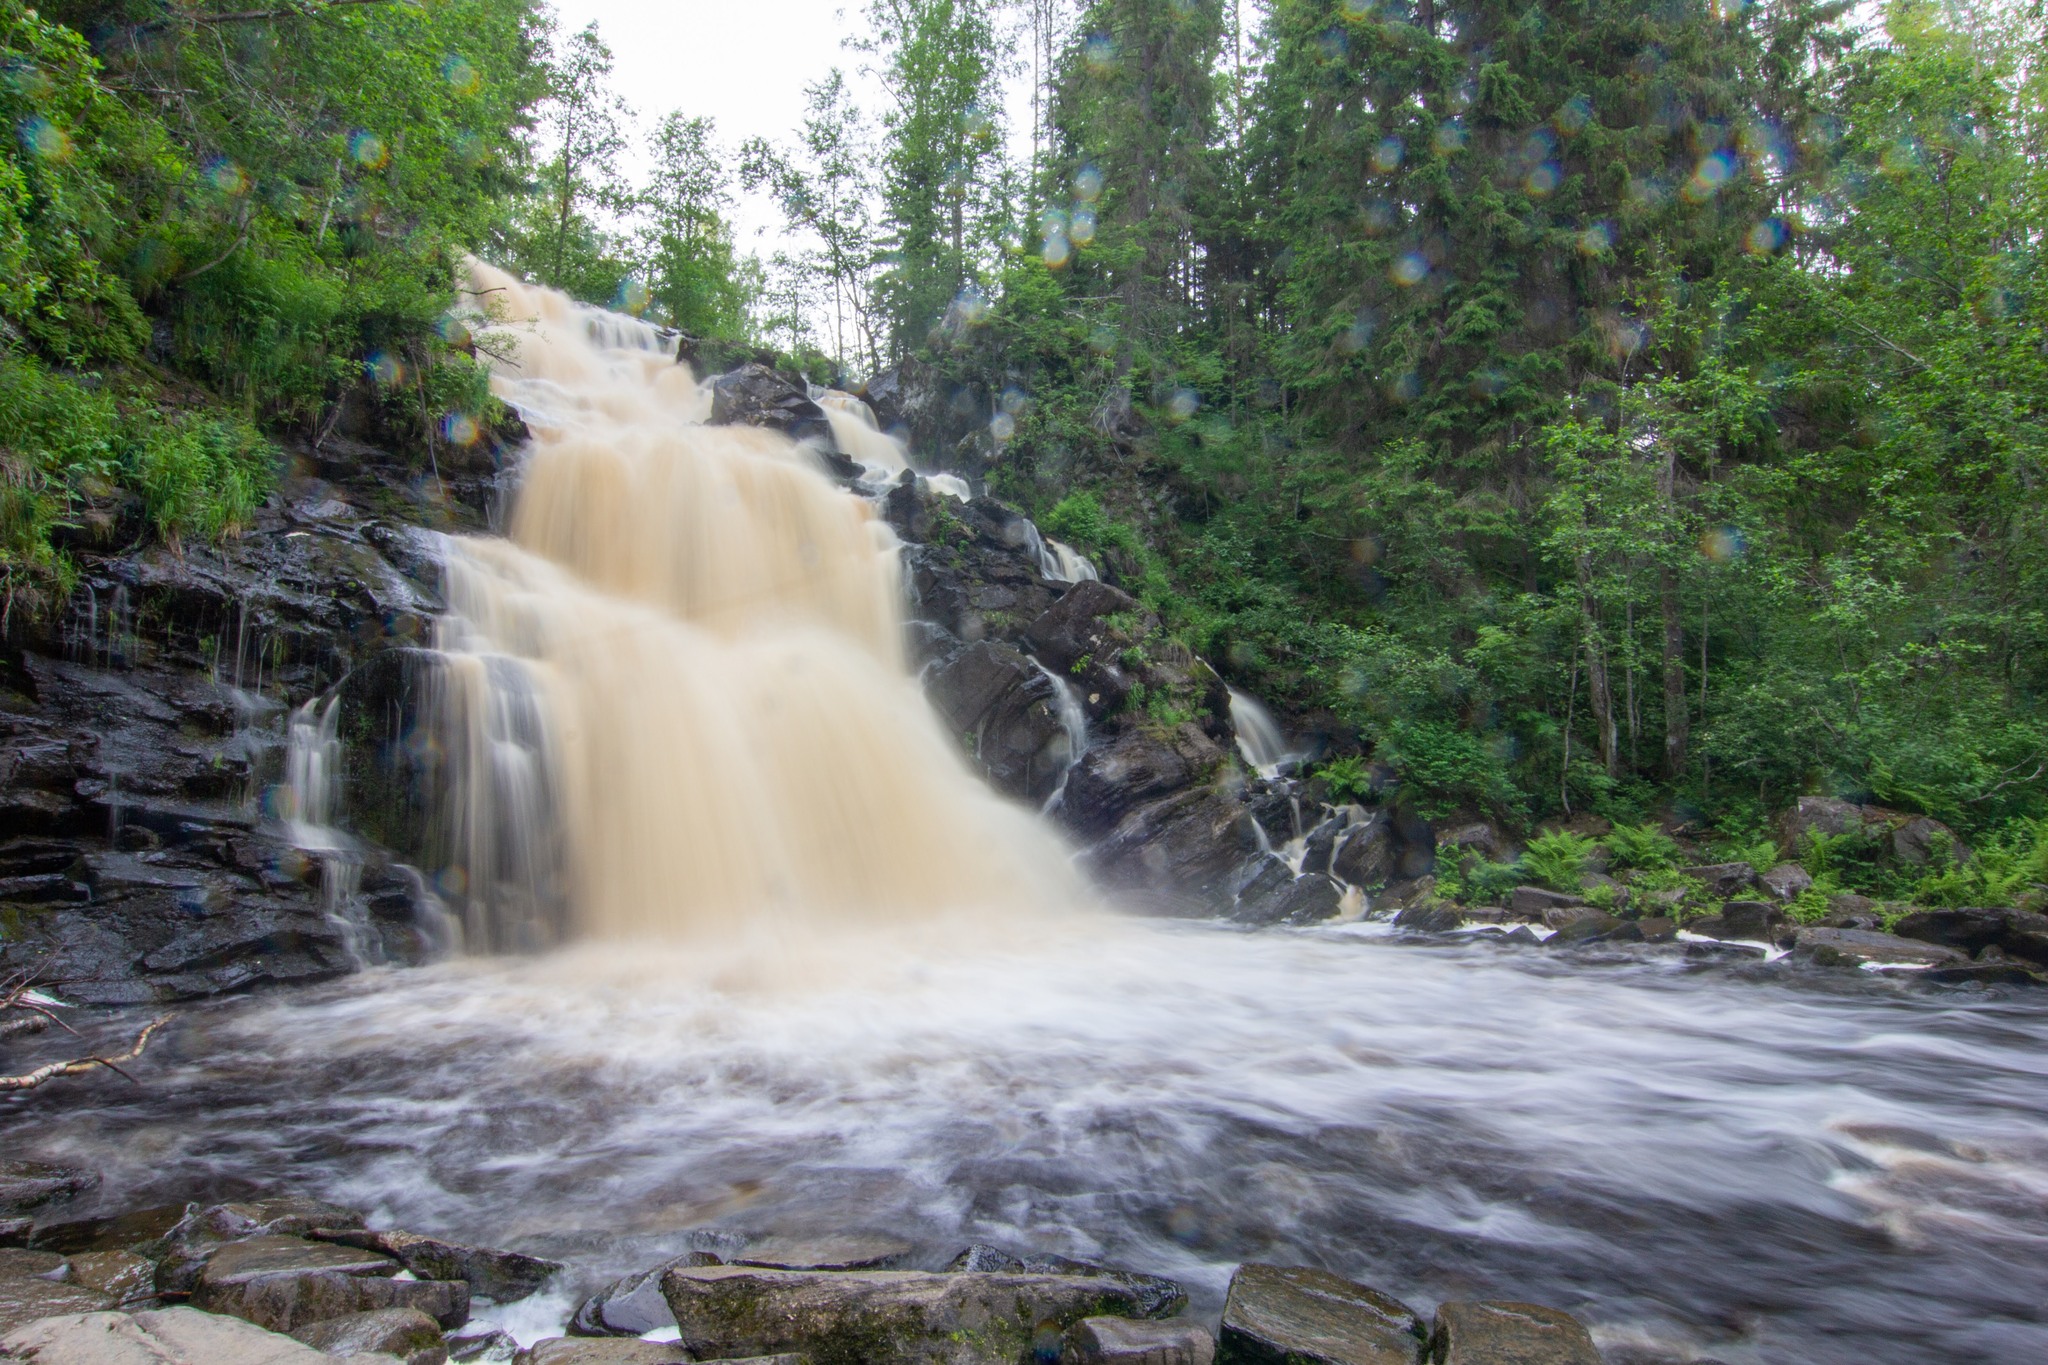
[[582, 119], [686, 242]]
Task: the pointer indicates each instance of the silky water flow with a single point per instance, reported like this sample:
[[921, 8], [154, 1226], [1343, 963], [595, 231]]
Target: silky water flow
[[816, 980]]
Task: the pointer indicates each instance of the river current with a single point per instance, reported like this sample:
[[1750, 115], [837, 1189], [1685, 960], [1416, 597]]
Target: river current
[[1738, 1165]]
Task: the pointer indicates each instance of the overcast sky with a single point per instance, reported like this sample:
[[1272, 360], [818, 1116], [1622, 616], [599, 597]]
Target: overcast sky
[[745, 65]]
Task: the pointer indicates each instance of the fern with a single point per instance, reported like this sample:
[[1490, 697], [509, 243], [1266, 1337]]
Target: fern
[[1347, 778], [1558, 859], [1641, 846]]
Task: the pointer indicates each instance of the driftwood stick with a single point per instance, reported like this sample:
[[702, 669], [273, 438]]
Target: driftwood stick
[[42, 1075]]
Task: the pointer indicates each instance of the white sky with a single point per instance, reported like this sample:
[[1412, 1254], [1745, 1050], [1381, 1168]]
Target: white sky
[[745, 65]]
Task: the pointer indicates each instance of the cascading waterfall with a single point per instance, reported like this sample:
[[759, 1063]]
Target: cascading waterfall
[[686, 659], [1259, 737]]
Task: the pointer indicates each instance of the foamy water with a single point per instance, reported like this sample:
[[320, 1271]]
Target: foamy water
[[1715, 1165]]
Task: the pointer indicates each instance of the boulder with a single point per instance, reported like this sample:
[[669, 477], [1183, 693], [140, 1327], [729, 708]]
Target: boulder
[[1537, 902], [1479, 839], [1156, 1296], [1495, 1333], [1122, 1341], [1429, 917], [632, 1306], [1369, 854], [1006, 712], [170, 1336], [252, 1258], [2021, 934], [756, 396], [29, 1297], [1920, 841], [1284, 898], [1854, 947], [1084, 636], [1112, 780], [1292, 1315], [406, 1333], [1827, 815], [1851, 911], [504, 1276], [1178, 854], [589, 1351], [29, 1185], [1992, 973], [288, 1300], [1319, 845], [1786, 881], [1722, 880], [127, 1277], [837, 1251], [1598, 927], [882, 1317], [1750, 921], [490, 1346], [18, 1263], [1657, 929]]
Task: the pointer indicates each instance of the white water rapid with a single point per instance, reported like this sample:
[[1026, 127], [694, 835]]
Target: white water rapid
[[820, 985]]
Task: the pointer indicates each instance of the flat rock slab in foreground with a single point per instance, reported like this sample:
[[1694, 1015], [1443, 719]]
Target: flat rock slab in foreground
[[1123, 1341], [505, 1276], [1509, 1334], [882, 1317], [1292, 1315], [172, 1336]]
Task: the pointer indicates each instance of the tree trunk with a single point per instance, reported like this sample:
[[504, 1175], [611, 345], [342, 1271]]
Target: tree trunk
[[1676, 714], [1599, 691]]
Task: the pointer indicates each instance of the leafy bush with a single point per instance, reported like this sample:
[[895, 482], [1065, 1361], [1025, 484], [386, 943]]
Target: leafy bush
[[1642, 846], [1760, 854], [1347, 778], [1479, 882], [2002, 869], [1558, 859]]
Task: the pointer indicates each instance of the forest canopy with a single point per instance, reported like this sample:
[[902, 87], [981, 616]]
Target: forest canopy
[[1632, 407]]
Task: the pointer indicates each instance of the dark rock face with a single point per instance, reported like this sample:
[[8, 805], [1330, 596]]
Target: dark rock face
[[1854, 947], [26, 1185], [1006, 710], [1177, 855], [882, 1317], [971, 566], [1293, 1315], [1429, 917], [1307, 899], [2022, 934], [1086, 636], [756, 396], [505, 1276], [1755, 921], [633, 1306], [1536, 902], [1113, 779], [1369, 854], [1498, 1333]]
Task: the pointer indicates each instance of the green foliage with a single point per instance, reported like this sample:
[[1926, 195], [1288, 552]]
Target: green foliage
[[1760, 854], [1479, 882], [1559, 859], [1645, 847], [2002, 868], [1347, 778]]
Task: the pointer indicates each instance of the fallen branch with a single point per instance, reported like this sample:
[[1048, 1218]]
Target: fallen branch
[[29, 1080]]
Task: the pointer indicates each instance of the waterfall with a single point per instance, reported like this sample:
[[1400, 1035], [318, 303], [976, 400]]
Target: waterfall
[[678, 681], [1259, 737], [881, 456]]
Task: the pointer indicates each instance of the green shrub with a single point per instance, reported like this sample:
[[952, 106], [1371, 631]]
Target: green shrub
[[200, 476], [1558, 859], [1642, 846], [2003, 868], [1478, 881], [1347, 778]]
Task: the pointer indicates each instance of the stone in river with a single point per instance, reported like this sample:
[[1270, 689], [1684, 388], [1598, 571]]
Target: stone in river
[[26, 1299], [240, 1262], [482, 1347], [1293, 1315], [1537, 903], [1853, 947], [843, 1251], [17, 1264], [285, 1301], [171, 1336], [1509, 1334], [1429, 917], [601, 1351], [406, 1333], [501, 1275], [632, 1306], [1123, 1341], [26, 1185], [125, 1275], [883, 1317]]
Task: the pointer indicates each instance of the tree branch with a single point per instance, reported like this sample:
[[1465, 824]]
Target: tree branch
[[29, 1080]]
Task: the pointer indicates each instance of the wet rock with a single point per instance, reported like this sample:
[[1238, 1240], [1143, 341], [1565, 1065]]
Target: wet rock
[[1369, 855], [1851, 911], [1657, 929], [844, 1251], [1992, 973], [122, 1275], [1854, 947], [1536, 902], [1495, 1333], [19, 1264], [593, 1351], [120, 1232], [981, 1257], [254, 1258], [1320, 844], [1598, 927], [1722, 880], [1121, 1341], [504, 1276], [29, 1185], [1696, 951], [632, 1305], [1280, 897], [1753, 921], [1154, 1295], [171, 1336], [1112, 780], [1177, 855], [1786, 881], [1292, 1315], [16, 1232], [756, 396], [2021, 934], [882, 1317], [1006, 712], [286, 1302], [492, 1347], [1477, 840], [1429, 917], [406, 1333], [1085, 635], [27, 1298]]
